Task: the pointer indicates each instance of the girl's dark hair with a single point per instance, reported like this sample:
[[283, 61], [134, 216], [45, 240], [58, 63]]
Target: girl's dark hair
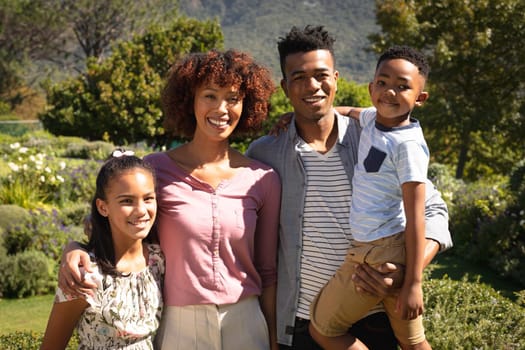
[[311, 38], [222, 68], [100, 238]]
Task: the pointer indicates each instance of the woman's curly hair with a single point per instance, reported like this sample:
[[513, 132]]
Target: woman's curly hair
[[229, 68]]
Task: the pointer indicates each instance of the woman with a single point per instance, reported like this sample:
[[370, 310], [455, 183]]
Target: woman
[[218, 210]]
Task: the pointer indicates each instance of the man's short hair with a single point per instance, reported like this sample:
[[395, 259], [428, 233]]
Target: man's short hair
[[310, 38]]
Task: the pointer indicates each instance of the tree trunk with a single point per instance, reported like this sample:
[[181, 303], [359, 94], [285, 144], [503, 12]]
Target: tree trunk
[[463, 156]]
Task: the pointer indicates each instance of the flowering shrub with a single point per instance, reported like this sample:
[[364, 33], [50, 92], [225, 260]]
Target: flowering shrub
[[37, 177], [33, 173], [79, 182]]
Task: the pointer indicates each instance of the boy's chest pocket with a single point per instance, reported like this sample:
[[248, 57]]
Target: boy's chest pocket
[[373, 160]]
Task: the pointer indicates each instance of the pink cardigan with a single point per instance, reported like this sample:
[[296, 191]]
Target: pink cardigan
[[220, 245]]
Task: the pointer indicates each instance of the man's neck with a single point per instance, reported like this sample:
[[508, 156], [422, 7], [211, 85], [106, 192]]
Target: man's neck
[[320, 134]]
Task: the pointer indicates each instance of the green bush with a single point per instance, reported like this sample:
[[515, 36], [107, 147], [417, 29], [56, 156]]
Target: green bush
[[27, 274], [75, 213], [118, 99], [471, 315], [505, 235], [21, 340], [29, 341], [45, 232], [11, 215], [487, 219]]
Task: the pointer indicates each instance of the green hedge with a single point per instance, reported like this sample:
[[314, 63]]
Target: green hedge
[[472, 315], [29, 341]]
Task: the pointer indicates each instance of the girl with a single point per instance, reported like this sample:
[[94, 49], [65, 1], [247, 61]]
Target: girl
[[123, 311]]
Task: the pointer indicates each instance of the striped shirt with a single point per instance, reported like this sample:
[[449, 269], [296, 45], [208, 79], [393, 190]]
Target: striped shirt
[[326, 232]]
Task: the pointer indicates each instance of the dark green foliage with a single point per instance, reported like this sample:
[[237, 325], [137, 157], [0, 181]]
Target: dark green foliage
[[487, 219], [350, 93], [506, 235], [27, 273], [118, 100], [471, 315]]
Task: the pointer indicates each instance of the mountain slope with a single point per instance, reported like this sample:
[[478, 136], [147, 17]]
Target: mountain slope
[[255, 26]]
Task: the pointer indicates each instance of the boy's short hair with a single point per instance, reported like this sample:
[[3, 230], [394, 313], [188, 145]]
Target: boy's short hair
[[310, 38], [407, 53]]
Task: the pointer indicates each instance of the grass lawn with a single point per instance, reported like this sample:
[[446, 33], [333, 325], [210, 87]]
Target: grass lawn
[[456, 268], [25, 314], [32, 313]]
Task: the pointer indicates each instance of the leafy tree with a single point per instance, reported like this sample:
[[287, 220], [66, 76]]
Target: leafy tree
[[28, 31], [66, 33], [96, 24], [117, 100], [475, 113]]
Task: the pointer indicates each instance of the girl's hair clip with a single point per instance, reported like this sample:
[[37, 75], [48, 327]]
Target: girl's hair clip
[[122, 153]]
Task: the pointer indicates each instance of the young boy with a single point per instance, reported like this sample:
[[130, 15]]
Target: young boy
[[387, 209]]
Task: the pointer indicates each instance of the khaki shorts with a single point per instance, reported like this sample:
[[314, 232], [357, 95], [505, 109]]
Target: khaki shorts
[[338, 305]]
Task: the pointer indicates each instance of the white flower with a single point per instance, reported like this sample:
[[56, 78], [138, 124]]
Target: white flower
[[25, 167], [60, 178], [32, 158], [47, 170], [14, 145], [13, 166], [42, 178], [23, 150], [62, 165]]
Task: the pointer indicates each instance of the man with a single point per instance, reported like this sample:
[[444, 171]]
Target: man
[[315, 158]]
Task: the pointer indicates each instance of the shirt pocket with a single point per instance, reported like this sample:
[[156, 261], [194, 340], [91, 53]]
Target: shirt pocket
[[374, 160]]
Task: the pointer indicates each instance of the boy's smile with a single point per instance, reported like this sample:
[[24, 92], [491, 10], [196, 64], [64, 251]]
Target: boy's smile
[[396, 89]]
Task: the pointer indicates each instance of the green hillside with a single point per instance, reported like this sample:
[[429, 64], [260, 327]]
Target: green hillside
[[256, 25]]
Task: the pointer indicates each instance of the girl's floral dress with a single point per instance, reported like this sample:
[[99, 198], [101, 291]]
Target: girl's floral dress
[[125, 311]]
